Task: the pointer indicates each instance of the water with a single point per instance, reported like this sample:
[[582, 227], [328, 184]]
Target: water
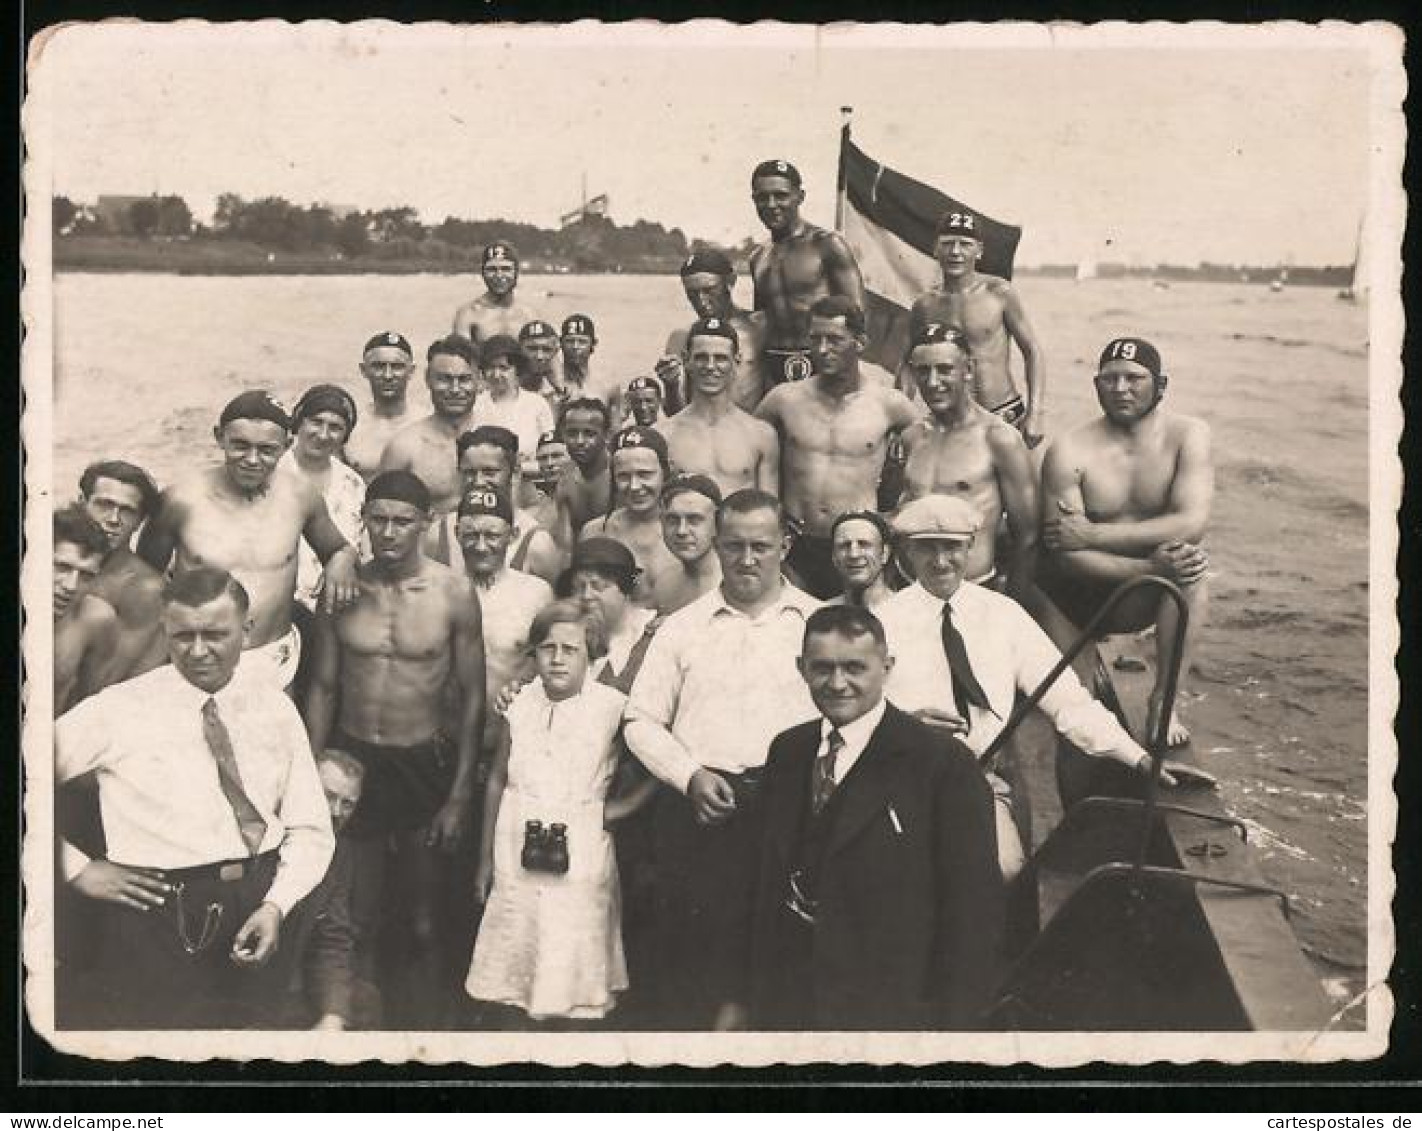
[[145, 362]]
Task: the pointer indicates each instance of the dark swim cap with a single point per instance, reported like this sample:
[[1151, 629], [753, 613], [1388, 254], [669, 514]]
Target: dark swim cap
[[697, 484], [961, 222], [708, 261], [1131, 349], [500, 252], [636, 437], [389, 338], [776, 168], [579, 324], [936, 333], [536, 329], [255, 404], [714, 328], [400, 486], [326, 398], [637, 384], [486, 500]]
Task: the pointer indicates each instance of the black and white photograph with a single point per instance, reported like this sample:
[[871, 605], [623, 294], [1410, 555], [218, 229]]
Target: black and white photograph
[[692, 544]]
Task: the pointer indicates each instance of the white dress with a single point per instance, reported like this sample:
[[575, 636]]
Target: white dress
[[552, 945]]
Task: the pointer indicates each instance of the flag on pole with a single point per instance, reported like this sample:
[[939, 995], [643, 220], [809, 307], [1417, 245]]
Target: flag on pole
[[889, 220]]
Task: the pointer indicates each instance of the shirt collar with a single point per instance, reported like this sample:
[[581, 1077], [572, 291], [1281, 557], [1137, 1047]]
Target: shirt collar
[[856, 734], [790, 598]]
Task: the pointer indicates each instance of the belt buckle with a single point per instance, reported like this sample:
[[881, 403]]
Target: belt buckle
[[230, 873]]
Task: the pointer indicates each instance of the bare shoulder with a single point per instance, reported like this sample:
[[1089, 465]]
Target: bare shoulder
[[1002, 437], [830, 242], [595, 526], [1189, 428], [97, 616], [998, 286], [761, 430], [455, 585]]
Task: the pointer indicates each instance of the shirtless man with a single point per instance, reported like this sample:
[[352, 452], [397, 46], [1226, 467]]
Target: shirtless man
[[578, 341], [639, 472], [553, 463], [689, 505], [713, 436], [488, 457], [860, 548], [1125, 495], [426, 447], [539, 342], [497, 310], [119, 496], [243, 518], [585, 490], [386, 364], [990, 313], [834, 431], [388, 659], [85, 626], [801, 264], [645, 401], [707, 277], [963, 449], [510, 598]]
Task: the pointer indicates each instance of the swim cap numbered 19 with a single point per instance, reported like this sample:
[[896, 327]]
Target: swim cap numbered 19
[[1131, 349]]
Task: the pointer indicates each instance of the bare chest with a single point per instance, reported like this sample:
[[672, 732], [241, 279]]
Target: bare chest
[[401, 625]]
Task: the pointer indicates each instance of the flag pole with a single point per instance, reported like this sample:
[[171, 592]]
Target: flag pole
[[846, 117]]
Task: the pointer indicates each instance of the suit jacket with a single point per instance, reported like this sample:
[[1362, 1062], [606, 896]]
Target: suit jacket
[[910, 896]]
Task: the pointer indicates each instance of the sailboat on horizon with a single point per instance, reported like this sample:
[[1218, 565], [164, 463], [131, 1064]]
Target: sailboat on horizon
[[1357, 288]]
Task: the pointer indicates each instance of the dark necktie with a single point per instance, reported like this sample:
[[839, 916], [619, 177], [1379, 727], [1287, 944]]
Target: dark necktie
[[967, 691], [249, 822], [824, 769]]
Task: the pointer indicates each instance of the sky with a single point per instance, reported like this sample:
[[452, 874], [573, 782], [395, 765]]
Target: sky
[[1101, 144]]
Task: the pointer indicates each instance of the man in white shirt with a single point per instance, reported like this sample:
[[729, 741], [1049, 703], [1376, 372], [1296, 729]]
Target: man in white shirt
[[215, 822], [962, 671], [719, 682]]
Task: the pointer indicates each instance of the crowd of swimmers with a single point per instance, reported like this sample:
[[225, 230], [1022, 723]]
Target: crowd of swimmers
[[581, 698]]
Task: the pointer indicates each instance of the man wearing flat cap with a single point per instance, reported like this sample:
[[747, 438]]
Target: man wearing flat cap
[[497, 310], [242, 517], [707, 277], [963, 652]]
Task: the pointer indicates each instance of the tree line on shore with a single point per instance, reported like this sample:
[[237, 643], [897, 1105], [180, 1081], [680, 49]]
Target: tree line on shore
[[591, 243]]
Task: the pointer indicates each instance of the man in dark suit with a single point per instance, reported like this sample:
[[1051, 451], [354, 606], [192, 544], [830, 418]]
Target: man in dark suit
[[879, 898]]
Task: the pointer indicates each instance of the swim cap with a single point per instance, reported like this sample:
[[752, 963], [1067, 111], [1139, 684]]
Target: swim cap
[[935, 333], [1131, 349], [494, 435], [326, 398], [873, 518], [578, 324], [255, 404], [547, 438], [501, 345], [486, 500], [536, 329], [636, 437], [602, 555], [639, 384], [961, 222], [700, 484], [708, 261], [401, 486], [776, 168], [714, 328], [500, 252], [388, 338]]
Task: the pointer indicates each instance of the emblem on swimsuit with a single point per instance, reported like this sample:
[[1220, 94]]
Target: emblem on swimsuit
[[798, 368]]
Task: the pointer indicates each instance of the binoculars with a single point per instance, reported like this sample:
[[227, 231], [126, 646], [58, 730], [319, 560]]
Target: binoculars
[[545, 850]]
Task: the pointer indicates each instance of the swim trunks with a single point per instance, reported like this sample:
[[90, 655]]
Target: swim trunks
[[809, 562], [279, 657], [1013, 410], [784, 366], [405, 786]]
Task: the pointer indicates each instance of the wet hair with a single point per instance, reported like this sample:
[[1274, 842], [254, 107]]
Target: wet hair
[[748, 500], [848, 621], [120, 471], [585, 404], [348, 764], [73, 525], [838, 306], [201, 584], [566, 612], [488, 435], [454, 345]]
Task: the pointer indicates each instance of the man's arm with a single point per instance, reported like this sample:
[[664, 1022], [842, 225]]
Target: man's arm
[[651, 707], [467, 641], [140, 628], [769, 408], [842, 269], [338, 557], [1187, 512], [902, 412], [543, 559], [320, 705], [767, 472], [305, 850], [968, 884], [159, 539], [1034, 362], [397, 455], [95, 665], [464, 322], [1018, 488]]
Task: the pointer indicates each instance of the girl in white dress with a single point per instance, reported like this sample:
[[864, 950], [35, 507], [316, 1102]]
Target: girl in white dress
[[551, 943]]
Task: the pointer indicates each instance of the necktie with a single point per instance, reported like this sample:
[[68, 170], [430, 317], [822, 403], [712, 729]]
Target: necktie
[[824, 769], [249, 822], [967, 691]]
